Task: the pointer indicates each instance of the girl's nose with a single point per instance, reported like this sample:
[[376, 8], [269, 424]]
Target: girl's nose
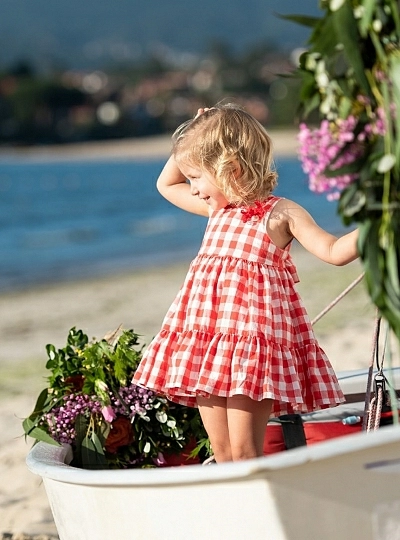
[[193, 190]]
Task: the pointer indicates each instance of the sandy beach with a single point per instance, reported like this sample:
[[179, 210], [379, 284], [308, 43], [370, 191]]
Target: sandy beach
[[32, 318]]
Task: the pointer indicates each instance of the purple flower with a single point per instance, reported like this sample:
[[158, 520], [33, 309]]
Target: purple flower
[[329, 146], [132, 400], [160, 460], [61, 420], [334, 145], [108, 413]]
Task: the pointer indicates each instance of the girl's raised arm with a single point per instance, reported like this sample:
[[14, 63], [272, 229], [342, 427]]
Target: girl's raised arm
[[173, 185], [325, 246]]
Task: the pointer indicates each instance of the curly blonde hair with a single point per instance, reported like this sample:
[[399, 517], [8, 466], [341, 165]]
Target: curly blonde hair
[[234, 147]]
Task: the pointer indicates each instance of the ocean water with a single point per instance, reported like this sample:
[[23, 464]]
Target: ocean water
[[64, 220]]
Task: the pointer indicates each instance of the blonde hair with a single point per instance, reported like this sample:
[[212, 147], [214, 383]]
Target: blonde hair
[[234, 147]]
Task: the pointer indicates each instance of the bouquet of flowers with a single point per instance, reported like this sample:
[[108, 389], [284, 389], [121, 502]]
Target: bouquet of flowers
[[91, 404], [350, 93]]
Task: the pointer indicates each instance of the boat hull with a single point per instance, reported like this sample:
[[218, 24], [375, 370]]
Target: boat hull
[[330, 490]]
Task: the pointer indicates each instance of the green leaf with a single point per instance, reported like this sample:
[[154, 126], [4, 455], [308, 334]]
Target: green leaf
[[300, 19], [365, 21], [76, 338], [349, 168], [41, 402], [92, 453], [355, 204], [97, 443], [392, 265], [347, 33], [31, 429], [371, 255], [394, 73], [325, 37]]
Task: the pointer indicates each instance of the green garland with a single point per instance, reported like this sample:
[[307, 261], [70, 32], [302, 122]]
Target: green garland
[[351, 70]]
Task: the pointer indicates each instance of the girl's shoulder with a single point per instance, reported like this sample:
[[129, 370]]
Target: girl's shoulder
[[279, 205], [259, 210], [279, 221], [288, 206]]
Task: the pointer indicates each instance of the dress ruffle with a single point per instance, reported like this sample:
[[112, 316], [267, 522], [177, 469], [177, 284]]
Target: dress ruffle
[[293, 384]]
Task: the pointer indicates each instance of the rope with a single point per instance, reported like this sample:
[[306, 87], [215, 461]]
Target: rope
[[374, 351], [337, 299], [375, 411], [372, 407]]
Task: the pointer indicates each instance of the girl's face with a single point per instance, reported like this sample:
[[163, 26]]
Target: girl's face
[[203, 186]]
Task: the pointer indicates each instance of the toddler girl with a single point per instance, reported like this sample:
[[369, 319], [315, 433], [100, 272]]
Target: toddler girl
[[237, 341]]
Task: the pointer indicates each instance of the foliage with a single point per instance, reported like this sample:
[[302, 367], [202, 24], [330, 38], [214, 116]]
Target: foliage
[[351, 84], [91, 404]]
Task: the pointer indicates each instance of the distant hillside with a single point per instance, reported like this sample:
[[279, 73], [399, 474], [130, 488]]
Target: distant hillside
[[90, 33]]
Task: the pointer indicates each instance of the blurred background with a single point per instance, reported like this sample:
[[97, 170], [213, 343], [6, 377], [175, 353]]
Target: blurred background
[[77, 71], [85, 238]]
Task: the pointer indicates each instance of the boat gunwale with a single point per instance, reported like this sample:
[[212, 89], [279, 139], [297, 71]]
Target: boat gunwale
[[47, 461]]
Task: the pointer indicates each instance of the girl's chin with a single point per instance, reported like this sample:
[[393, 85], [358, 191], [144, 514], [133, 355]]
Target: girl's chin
[[217, 205]]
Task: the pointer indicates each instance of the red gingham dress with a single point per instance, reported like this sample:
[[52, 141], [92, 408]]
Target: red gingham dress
[[238, 326]]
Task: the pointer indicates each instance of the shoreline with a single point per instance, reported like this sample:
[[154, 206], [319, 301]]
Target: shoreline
[[141, 148], [41, 314]]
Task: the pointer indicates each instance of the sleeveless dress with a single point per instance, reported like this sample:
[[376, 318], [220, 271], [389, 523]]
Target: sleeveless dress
[[238, 326]]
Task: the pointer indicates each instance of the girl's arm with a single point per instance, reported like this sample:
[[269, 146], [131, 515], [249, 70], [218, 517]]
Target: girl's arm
[[325, 246], [173, 185]]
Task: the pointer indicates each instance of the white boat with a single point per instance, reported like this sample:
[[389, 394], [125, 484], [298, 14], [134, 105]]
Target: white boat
[[346, 488]]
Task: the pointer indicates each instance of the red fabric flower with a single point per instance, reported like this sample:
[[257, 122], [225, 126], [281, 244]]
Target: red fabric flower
[[121, 434], [250, 213], [253, 213]]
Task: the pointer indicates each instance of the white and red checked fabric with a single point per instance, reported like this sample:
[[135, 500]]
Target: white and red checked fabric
[[238, 326]]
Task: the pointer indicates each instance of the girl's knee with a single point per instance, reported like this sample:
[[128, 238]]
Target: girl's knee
[[222, 452], [245, 451]]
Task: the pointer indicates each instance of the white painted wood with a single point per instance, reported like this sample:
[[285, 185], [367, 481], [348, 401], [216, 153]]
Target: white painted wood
[[328, 491]]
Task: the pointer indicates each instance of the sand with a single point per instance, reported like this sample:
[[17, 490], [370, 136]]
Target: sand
[[139, 299]]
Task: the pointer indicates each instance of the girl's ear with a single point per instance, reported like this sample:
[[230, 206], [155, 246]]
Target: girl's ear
[[236, 169]]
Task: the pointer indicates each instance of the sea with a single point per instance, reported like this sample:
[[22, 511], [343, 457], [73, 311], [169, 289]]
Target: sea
[[68, 220]]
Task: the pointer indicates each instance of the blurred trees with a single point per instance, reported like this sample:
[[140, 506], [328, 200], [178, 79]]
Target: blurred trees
[[149, 98]]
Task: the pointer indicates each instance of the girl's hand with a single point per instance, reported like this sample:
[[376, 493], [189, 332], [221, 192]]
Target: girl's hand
[[201, 111]]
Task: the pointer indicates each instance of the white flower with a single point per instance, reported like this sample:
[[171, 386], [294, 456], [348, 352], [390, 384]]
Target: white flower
[[377, 25], [386, 163], [322, 80], [147, 448], [311, 61], [336, 4], [358, 12], [327, 104], [161, 417]]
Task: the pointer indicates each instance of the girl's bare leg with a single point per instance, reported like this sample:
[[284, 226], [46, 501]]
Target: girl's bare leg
[[247, 421], [236, 425], [215, 419]]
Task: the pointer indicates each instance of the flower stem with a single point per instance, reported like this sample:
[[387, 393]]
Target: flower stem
[[395, 13]]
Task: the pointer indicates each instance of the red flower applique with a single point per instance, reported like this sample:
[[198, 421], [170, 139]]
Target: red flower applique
[[253, 213]]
